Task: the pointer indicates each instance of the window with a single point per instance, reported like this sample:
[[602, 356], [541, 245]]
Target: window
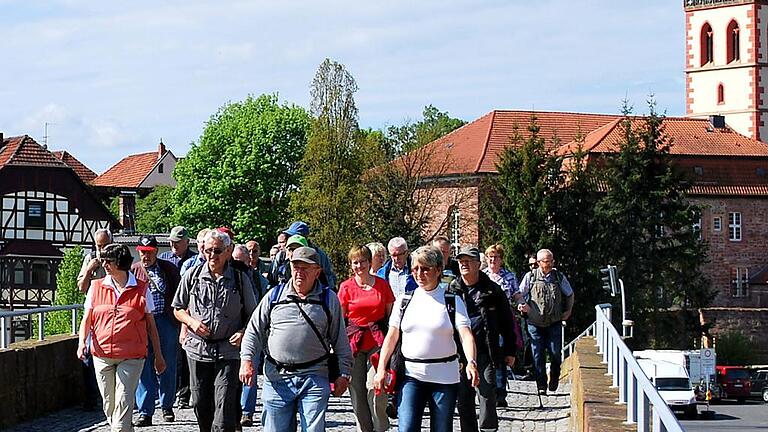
[[720, 94], [35, 217], [455, 222], [717, 224], [697, 226], [699, 171], [160, 168], [739, 282], [707, 44], [733, 41], [734, 226]]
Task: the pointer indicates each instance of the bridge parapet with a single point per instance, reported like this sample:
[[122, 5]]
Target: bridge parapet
[[39, 377]]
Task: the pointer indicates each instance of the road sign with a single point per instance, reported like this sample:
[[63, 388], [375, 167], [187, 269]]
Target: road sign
[[708, 361]]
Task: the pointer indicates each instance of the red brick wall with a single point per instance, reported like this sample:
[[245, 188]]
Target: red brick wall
[[465, 198]]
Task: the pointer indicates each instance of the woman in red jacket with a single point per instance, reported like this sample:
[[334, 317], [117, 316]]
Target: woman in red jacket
[[118, 318], [366, 301]]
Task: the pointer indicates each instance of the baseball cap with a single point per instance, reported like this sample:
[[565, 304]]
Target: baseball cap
[[305, 254], [178, 233], [469, 251], [227, 231], [296, 240], [147, 243], [298, 227]]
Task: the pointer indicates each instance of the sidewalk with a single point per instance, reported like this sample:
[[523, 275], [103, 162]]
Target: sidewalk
[[524, 414]]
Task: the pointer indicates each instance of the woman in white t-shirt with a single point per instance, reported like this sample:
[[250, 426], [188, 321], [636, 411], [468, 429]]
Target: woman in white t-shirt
[[431, 365]]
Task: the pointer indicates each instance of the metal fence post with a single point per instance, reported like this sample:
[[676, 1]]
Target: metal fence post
[[631, 399], [41, 326], [74, 321]]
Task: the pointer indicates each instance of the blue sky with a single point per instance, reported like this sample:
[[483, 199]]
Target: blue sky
[[112, 78]]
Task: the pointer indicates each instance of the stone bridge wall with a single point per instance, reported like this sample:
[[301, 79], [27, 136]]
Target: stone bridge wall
[[39, 377]]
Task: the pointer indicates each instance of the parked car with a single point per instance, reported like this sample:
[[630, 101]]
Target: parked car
[[759, 380], [734, 382]]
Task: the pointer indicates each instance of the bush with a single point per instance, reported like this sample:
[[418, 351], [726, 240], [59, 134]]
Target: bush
[[60, 322], [734, 349]]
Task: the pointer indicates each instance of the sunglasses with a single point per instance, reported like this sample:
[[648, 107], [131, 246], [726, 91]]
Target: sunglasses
[[106, 261], [213, 251]]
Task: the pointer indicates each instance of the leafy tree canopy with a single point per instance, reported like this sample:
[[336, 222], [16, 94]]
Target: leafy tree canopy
[[243, 168], [67, 293], [410, 136]]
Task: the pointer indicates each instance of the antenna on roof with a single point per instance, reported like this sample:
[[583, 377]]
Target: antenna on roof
[[45, 135]]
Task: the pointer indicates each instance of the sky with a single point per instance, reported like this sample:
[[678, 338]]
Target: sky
[[113, 78]]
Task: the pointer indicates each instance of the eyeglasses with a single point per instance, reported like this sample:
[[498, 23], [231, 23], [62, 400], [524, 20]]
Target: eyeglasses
[[213, 251]]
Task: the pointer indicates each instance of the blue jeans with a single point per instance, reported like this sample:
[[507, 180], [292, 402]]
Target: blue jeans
[[146, 392], [543, 340], [285, 395], [249, 395], [415, 395]]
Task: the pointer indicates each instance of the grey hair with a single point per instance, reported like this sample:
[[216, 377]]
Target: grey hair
[[376, 248], [397, 243], [429, 256], [202, 233], [546, 252], [220, 236], [105, 231], [242, 248]]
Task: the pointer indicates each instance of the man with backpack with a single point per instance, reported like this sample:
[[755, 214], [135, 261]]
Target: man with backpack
[[491, 318], [547, 299], [300, 327], [214, 302]]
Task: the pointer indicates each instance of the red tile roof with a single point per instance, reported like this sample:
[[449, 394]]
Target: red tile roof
[[129, 172], [477, 146], [24, 151], [689, 137], [81, 170]]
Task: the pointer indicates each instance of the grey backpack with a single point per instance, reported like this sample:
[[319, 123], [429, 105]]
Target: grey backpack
[[545, 300]]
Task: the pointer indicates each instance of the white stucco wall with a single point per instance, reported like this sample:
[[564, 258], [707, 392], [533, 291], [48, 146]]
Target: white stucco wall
[[719, 19], [156, 178]]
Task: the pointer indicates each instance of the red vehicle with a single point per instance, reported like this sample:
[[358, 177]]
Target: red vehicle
[[734, 382]]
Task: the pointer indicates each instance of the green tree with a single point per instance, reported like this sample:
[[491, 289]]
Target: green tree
[[410, 136], [243, 168], [60, 322], [522, 197], [735, 349], [337, 155], [154, 212], [647, 227]]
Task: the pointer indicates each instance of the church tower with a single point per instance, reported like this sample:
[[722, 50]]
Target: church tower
[[727, 62]]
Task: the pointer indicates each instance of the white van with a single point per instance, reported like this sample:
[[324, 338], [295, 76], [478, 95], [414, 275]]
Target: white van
[[672, 382]]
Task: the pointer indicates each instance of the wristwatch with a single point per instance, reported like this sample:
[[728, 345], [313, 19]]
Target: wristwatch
[[347, 376]]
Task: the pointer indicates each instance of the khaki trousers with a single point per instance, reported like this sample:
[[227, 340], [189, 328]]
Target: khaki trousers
[[370, 409], [117, 380]]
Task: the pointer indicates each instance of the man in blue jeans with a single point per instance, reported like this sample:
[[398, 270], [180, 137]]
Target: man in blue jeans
[[296, 326], [162, 279], [547, 299]]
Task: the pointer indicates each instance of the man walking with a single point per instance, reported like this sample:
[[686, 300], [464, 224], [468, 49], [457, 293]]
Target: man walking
[[491, 318], [397, 269], [547, 299], [214, 301], [162, 278], [180, 252], [297, 325]]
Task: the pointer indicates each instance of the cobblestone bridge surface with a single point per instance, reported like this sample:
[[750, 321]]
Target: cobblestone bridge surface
[[524, 414]]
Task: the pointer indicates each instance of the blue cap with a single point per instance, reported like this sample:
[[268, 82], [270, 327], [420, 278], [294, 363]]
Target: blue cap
[[299, 228]]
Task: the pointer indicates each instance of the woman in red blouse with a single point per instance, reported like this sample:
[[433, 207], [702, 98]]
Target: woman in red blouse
[[366, 301]]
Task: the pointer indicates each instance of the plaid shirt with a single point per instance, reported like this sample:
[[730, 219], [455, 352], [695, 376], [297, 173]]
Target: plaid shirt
[[157, 288], [506, 279]]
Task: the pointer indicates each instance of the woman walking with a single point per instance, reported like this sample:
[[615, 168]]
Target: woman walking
[[426, 327], [118, 317]]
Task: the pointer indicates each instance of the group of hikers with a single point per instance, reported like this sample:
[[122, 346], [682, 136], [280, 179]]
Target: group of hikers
[[407, 330]]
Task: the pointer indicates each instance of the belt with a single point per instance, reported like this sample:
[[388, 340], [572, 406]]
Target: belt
[[436, 360], [293, 367]]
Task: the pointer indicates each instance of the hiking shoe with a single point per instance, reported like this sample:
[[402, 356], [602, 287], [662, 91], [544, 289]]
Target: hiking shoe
[[246, 420], [391, 409], [553, 384], [184, 405], [542, 391], [143, 421], [168, 415]]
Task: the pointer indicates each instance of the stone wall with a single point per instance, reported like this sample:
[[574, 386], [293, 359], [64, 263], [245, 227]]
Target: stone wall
[[39, 377], [752, 323]]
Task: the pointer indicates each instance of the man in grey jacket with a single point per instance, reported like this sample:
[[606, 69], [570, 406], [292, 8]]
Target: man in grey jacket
[[296, 326], [214, 301]]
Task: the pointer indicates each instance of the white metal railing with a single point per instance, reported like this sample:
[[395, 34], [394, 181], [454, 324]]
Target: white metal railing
[[567, 350], [7, 337], [635, 389]]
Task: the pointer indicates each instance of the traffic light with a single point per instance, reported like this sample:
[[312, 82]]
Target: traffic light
[[610, 279]]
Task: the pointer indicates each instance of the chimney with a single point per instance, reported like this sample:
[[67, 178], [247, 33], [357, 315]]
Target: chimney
[[160, 149], [2, 138], [127, 206], [717, 121]]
